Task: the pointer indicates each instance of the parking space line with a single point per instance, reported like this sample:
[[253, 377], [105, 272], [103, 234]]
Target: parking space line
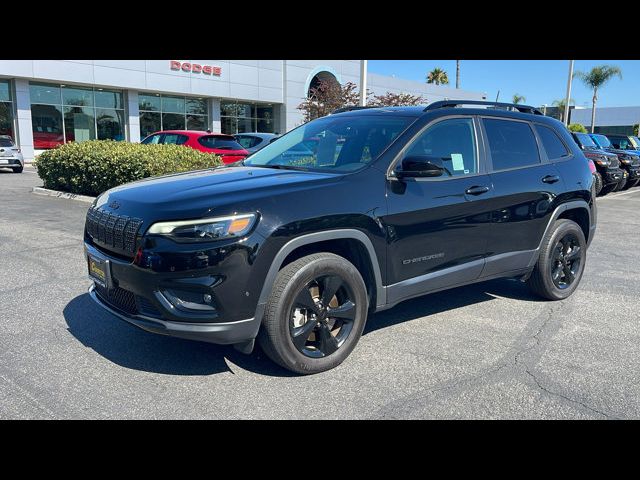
[[616, 195]]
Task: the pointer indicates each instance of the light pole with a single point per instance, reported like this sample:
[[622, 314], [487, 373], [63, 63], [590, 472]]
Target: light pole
[[363, 83], [544, 109], [566, 103]]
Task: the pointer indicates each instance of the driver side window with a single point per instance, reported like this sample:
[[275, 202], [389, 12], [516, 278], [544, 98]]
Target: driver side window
[[453, 142]]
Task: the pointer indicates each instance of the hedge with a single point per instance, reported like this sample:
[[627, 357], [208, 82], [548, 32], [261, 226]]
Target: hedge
[[91, 167]]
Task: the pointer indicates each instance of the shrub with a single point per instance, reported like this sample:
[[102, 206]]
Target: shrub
[[577, 127], [90, 168]]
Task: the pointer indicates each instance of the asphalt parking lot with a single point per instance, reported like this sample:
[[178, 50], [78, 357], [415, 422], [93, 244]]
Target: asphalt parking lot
[[485, 351]]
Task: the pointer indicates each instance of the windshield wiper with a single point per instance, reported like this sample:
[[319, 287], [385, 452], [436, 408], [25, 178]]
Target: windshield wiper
[[279, 166]]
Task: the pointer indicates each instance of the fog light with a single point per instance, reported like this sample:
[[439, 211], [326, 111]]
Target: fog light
[[207, 298]]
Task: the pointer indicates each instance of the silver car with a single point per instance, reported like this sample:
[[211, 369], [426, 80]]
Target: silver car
[[10, 156], [252, 142]]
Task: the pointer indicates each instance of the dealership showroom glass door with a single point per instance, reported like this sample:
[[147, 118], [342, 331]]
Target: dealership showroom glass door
[[6, 110]]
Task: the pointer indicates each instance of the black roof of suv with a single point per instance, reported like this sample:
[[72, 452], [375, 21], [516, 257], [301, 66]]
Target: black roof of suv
[[343, 216]]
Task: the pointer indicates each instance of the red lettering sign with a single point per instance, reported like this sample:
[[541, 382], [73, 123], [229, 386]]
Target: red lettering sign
[[195, 68]]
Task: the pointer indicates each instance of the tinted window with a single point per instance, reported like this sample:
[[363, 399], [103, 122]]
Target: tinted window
[[601, 140], [174, 138], [6, 142], [552, 143], [220, 143], [622, 143], [453, 141], [512, 144], [152, 139], [585, 140], [248, 141]]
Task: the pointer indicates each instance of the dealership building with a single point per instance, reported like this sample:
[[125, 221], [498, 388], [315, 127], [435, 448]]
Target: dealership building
[[44, 103]]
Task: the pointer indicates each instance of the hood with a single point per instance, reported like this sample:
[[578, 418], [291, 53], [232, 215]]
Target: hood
[[207, 192]]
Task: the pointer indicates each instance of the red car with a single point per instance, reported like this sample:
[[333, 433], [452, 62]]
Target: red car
[[224, 145]]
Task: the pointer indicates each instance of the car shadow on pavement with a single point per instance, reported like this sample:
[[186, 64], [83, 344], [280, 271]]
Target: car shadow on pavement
[[445, 300], [131, 347]]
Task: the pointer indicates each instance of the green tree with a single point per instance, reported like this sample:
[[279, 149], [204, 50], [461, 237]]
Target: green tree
[[518, 98], [577, 127], [596, 78], [636, 129], [438, 76], [560, 104]]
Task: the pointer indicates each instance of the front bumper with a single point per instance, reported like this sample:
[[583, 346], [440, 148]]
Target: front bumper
[[613, 175], [220, 333]]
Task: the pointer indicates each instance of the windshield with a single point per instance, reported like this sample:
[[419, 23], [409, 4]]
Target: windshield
[[585, 140], [602, 141], [332, 143], [636, 142]]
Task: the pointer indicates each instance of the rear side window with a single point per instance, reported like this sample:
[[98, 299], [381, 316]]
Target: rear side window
[[248, 141], [152, 139], [220, 143], [174, 138], [512, 144], [552, 143]]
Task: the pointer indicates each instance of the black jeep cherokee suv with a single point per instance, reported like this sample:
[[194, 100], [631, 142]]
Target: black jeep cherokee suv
[[388, 204]]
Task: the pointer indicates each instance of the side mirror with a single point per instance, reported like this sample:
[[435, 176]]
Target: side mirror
[[422, 166]]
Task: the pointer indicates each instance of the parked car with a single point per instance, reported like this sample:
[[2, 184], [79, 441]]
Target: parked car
[[418, 200], [625, 142], [609, 174], [252, 142], [10, 155], [629, 161], [224, 145]]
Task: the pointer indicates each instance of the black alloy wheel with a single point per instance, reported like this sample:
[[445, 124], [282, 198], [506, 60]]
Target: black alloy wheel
[[565, 261], [322, 316]]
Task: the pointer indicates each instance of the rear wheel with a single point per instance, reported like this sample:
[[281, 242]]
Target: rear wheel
[[621, 184], [561, 262], [315, 314]]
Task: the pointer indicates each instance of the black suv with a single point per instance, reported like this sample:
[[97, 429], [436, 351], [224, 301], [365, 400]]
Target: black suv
[[388, 204], [609, 176]]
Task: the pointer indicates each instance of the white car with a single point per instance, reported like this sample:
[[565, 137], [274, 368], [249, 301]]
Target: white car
[[10, 156]]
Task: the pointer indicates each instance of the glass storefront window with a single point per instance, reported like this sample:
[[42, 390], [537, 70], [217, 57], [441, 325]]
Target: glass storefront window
[[62, 114], [149, 122], [196, 122], [5, 91], [6, 119], [173, 104], [47, 126], [238, 117], [173, 121], [149, 103], [109, 99], [44, 93], [170, 112], [110, 123], [81, 97]]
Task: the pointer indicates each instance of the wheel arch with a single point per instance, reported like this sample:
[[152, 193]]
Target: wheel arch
[[353, 244]]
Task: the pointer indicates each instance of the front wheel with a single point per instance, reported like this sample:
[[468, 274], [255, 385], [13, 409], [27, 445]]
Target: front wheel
[[18, 169], [315, 314], [597, 178], [560, 265]]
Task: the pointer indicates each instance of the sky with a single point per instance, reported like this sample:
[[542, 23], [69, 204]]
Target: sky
[[539, 81]]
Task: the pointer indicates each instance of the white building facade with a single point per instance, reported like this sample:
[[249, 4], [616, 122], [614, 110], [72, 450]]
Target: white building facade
[[44, 103]]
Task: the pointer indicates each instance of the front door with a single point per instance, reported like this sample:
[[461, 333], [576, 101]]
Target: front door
[[437, 227]]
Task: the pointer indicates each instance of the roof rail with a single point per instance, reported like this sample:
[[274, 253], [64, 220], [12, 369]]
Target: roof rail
[[455, 103], [349, 109]]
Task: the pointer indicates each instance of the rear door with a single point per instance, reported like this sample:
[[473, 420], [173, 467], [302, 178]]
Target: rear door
[[525, 186]]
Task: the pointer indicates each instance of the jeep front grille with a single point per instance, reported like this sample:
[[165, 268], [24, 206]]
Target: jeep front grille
[[114, 232], [615, 163]]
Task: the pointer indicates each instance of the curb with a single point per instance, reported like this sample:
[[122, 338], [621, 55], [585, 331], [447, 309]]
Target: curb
[[65, 195]]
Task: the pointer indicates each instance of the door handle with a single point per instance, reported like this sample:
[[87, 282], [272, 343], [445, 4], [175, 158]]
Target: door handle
[[551, 179], [476, 190]]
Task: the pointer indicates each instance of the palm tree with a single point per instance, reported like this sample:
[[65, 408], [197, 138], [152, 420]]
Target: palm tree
[[560, 104], [518, 98], [595, 79], [457, 73], [438, 76]]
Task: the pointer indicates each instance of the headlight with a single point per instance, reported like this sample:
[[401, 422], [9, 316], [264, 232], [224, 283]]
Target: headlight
[[206, 229], [604, 161]]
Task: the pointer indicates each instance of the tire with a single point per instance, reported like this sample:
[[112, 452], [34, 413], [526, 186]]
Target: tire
[[597, 178], [542, 280], [611, 187], [630, 184], [285, 317], [621, 184], [18, 169]]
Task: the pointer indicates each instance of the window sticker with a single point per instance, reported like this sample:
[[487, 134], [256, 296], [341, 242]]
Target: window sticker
[[458, 163]]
